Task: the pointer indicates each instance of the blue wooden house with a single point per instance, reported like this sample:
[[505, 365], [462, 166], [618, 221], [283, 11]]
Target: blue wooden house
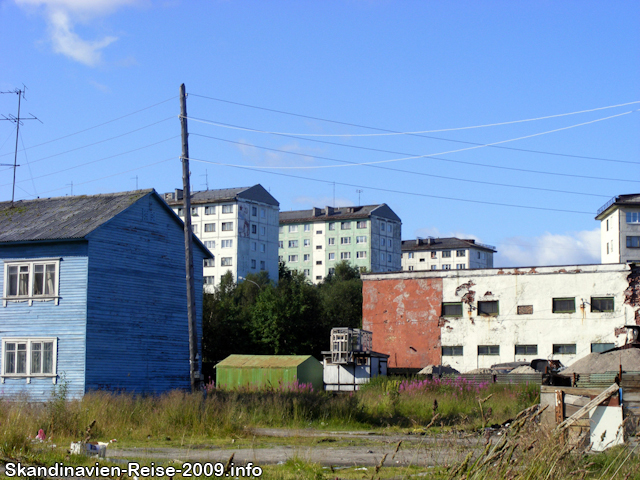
[[94, 295]]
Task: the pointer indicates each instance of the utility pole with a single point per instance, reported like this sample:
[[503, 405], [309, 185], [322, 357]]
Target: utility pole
[[18, 121], [194, 370]]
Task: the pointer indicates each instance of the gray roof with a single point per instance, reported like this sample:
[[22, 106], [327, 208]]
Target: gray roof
[[338, 213], [61, 218], [443, 244], [257, 193], [632, 199]]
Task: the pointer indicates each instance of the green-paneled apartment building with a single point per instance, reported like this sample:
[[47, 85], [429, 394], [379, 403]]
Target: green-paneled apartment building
[[313, 241]]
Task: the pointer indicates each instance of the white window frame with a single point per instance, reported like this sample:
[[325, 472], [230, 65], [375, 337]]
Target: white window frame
[[361, 224], [293, 244], [209, 228], [226, 262], [306, 242], [29, 341], [307, 257], [361, 254], [293, 228], [307, 227], [345, 255], [227, 226], [332, 256], [210, 210], [345, 240], [263, 231], [293, 258], [30, 297], [227, 208], [331, 241], [361, 239], [263, 248], [226, 243]]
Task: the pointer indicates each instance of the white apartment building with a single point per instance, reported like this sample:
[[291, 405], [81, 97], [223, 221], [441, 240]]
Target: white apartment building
[[445, 254], [313, 241], [240, 228], [620, 229]]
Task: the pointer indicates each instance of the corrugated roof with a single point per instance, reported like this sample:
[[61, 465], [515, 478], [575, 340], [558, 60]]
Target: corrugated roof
[[263, 361], [256, 192], [443, 243], [335, 214], [61, 218]]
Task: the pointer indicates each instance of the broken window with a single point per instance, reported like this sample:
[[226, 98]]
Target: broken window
[[564, 305], [488, 308], [602, 304]]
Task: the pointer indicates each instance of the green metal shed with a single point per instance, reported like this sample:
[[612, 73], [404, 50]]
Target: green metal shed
[[268, 371]]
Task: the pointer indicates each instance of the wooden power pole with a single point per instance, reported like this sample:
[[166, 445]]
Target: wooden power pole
[[194, 370]]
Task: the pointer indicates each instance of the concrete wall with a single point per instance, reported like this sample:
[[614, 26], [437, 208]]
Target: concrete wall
[[404, 312]]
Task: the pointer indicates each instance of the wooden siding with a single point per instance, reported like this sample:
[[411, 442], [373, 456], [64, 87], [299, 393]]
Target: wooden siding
[[137, 330], [65, 321]]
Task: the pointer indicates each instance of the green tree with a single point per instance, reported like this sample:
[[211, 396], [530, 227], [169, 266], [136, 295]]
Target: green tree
[[341, 297]]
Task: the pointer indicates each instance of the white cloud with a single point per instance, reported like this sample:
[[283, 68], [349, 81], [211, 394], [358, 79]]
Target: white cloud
[[62, 15], [572, 248]]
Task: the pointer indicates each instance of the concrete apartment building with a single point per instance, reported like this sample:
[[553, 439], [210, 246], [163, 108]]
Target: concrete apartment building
[[620, 229], [445, 254], [313, 241], [238, 225]]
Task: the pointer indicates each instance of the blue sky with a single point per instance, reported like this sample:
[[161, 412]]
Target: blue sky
[[111, 70]]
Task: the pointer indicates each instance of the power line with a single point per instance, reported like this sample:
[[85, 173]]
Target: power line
[[404, 171], [541, 172], [390, 190], [99, 160], [99, 125], [416, 135], [102, 141]]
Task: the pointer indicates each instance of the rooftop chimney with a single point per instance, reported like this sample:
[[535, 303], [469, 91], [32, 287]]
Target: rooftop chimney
[[328, 211], [316, 211], [178, 194]]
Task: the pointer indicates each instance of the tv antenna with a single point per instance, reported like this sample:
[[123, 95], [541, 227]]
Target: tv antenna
[[18, 121], [359, 192], [206, 179]]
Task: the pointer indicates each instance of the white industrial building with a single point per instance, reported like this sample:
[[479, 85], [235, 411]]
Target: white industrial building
[[445, 254], [238, 225], [620, 229]]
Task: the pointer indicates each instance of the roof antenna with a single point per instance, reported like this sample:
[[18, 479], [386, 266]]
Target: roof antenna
[[18, 121]]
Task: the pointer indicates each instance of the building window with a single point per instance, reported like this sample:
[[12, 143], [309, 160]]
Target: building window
[[332, 271], [345, 240], [607, 248], [263, 213], [293, 258], [564, 349], [602, 347], [254, 211], [525, 309], [388, 257], [262, 265], [306, 242], [263, 248], [226, 244], [410, 255], [602, 304], [307, 227], [306, 272], [389, 228], [293, 228], [361, 254], [421, 260], [210, 244], [29, 357], [254, 228], [460, 253], [633, 217], [332, 256], [180, 212], [526, 350], [210, 210], [280, 258], [227, 208], [318, 277], [210, 227], [381, 257], [345, 255], [280, 244], [332, 226], [31, 280], [446, 254], [318, 247], [434, 267], [253, 264], [460, 266], [453, 351], [307, 257], [226, 262], [488, 308], [194, 211], [227, 226], [390, 243], [564, 305], [345, 226], [382, 227], [209, 280], [318, 232], [411, 268], [446, 267], [488, 349], [607, 224], [361, 224], [319, 262], [331, 241], [293, 243], [194, 228], [434, 254], [280, 229], [633, 242], [382, 241], [452, 309], [254, 246], [209, 262], [263, 231]]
